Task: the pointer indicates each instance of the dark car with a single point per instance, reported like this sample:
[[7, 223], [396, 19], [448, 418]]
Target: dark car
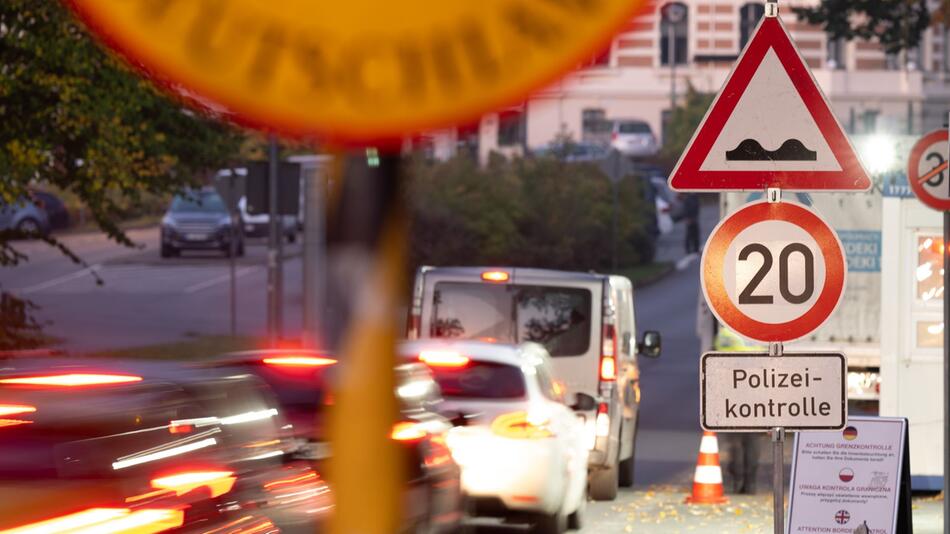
[[100, 444], [55, 209], [200, 220], [302, 379]]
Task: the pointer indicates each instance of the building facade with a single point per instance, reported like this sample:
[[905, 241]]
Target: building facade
[[696, 42]]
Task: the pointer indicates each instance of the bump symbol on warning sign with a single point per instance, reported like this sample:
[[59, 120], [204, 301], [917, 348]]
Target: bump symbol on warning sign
[[773, 272]]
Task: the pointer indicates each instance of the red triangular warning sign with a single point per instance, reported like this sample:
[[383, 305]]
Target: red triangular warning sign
[[770, 126]]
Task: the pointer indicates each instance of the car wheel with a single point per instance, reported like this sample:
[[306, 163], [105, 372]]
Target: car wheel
[[168, 251], [555, 523], [627, 466], [604, 483], [30, 227], [576, 519]]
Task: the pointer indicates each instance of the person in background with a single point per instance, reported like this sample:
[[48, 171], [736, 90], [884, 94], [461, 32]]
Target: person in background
[[691, 216]]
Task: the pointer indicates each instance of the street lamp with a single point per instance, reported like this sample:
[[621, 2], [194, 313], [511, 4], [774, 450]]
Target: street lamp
[[674, 13]]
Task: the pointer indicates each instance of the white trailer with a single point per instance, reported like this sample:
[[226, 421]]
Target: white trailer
[[890, 321]]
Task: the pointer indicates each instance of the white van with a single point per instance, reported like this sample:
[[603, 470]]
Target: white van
[[585, 320]]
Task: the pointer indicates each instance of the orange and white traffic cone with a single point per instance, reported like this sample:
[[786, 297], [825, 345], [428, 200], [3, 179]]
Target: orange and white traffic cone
[[707, 482]]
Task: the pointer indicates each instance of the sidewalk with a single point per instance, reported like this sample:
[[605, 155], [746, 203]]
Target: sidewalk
[[661, 510]]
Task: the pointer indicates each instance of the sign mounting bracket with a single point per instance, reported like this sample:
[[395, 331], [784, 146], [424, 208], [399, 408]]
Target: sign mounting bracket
[[773, 194]]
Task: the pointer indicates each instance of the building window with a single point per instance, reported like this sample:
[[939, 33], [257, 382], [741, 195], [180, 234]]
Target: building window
[[749, 16], [595, 128], [892, 61], [869, 120], [674, 33], [511, 128], [836, 53]]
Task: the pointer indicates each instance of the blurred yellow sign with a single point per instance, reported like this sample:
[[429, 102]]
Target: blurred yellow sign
[[357, 69]]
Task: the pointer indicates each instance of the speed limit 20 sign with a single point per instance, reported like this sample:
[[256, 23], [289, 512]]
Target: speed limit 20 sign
[[927, 170], [773, 272]]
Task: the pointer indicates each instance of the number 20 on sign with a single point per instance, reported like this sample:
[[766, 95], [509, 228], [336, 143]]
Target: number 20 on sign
[[773, 271]]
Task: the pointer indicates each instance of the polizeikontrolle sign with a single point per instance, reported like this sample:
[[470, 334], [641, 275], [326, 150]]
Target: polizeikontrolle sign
[[358, 69]]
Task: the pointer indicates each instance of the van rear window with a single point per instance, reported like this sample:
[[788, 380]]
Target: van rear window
[[557, 317]]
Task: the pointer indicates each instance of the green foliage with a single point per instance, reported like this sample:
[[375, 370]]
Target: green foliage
[[527, 212], [684, 121], [897, 24], [75, 117]]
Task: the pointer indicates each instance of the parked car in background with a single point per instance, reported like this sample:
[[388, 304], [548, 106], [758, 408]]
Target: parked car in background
[[259, 225], [54, 207], [302, 381], [117, 446], [522, 451], [25, 217], [584, 320], [199, 220], [633, 138]]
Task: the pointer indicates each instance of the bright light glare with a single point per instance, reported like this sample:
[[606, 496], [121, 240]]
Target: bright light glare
[[443, 358], [105, 520], [217, 482], [602, 425], [299, 361], [122, 463], [72, 380], [878, 154], [924, 271], [407, 431], [935, 329], [248, 417], [15, 409]]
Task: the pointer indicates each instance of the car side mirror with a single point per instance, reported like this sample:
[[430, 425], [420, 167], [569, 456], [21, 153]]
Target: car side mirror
[[651, 344], [583, 402]]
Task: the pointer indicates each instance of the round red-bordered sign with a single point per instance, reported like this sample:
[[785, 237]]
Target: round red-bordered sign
[[927, 170], [773, 272]]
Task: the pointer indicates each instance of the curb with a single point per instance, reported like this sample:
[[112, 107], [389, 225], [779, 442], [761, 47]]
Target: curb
[[650, 280]]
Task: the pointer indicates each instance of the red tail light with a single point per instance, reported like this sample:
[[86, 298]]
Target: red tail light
[[146, 521], [299, 361], [407, 431], [217, 482], [72, 380], [521, 425], [15, 409], [602, 423], [443, 358], [608, 358], [415, 326]]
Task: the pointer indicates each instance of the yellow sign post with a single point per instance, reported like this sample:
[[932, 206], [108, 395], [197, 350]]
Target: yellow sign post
[[358, 70]]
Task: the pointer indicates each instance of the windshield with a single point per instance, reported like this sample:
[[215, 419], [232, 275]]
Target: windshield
[[634, 128], [557, 317], [203, 203], [480, 380]]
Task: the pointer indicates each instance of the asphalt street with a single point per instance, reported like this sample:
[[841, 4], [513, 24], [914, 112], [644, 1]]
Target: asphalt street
[[143, 299]]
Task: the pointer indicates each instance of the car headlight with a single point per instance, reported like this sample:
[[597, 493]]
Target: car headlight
[[168, 222]]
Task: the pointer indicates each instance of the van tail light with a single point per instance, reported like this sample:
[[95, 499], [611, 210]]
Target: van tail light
[[414, 331], [145, 521], [495, 276], [602, 423], [522, 425], [443, 358], [299, 361], [408, 431], [72, 380], [608, 358]]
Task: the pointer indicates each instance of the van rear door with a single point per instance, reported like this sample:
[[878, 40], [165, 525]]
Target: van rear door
[[560, 310]]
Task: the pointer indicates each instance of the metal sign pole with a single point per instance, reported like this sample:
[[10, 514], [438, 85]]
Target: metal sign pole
[[946, 373], [232, 252], [778, 462], [273, 236]]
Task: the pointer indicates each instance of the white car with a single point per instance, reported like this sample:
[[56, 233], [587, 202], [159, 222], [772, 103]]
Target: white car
[[633, 138], [522, 451]]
